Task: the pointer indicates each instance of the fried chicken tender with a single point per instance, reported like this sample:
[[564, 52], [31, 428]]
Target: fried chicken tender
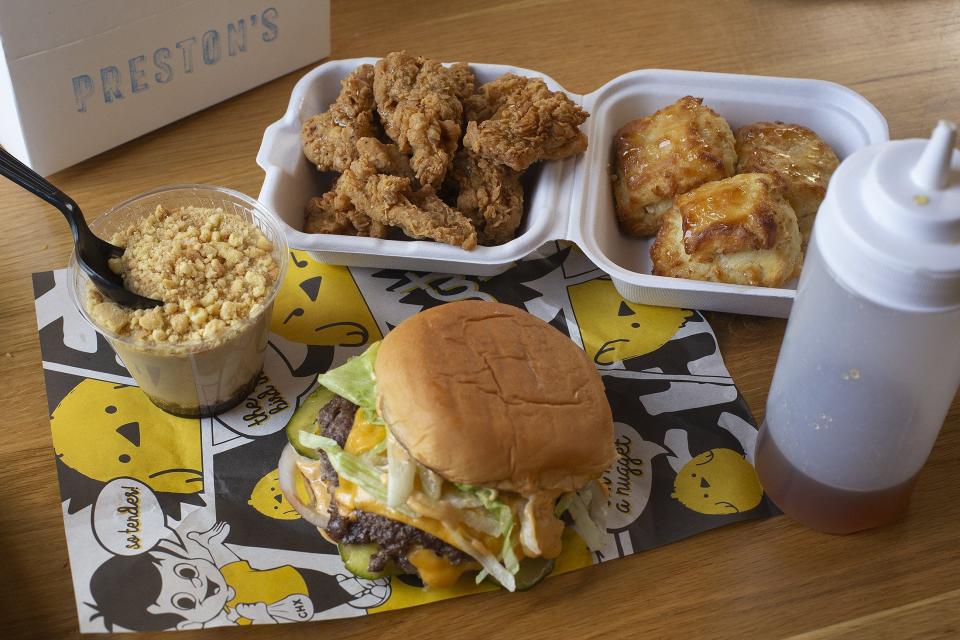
[[516, 121], [418, 100], [390, 200], [490, 194], [385, 158], [331, 213], [322, 216], [464, 80], [329, 138]]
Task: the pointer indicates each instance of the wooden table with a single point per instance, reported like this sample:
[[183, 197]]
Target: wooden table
[[766, 579]]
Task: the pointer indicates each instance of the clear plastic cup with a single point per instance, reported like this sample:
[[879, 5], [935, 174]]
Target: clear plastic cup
[[198, 378]]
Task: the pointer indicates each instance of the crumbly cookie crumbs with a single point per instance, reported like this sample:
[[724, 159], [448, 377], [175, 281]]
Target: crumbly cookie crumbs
[[210, 267]]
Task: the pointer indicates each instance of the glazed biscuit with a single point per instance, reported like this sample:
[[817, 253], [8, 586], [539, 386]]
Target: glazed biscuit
[[663, 155], [741, 230], [803, 161]]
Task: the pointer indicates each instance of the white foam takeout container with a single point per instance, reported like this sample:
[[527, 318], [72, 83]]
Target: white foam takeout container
[[571, 199]]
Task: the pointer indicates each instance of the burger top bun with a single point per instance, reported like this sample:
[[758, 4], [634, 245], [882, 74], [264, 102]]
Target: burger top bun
[[486, 394]]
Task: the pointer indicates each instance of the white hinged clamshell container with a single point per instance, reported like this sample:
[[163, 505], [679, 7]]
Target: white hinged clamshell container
[[571, 199]]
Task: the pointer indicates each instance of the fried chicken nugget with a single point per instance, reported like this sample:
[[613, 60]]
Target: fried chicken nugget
[[331, 213], [385, 158], [418, 100], [390, 200], [329, 138], [490, 194], [464, 80], [516, 121], [322, 216]]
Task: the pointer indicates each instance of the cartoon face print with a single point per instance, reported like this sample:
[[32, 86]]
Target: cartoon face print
[[191, 587], [320, 304], [614, 329], [267, 498], [107, 431], [366, 593], [716, 482]]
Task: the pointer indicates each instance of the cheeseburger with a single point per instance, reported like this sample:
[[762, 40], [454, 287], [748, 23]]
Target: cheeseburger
[[464, 442]]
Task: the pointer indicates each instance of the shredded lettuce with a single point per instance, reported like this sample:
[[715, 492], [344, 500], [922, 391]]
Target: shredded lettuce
[[430, 482], [591, 533], [481, 520], [491, 566], [348, 465], [462, 500], [377, 451], [563, 504], [354, 380], [504, 515], [352, 468], [367, 477], [599, 503], [509, 554], [401, 472], [502, 573]]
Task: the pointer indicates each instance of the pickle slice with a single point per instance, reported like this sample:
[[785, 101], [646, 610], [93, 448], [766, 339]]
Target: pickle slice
[[356, 558], [305, 419], [532, 571]]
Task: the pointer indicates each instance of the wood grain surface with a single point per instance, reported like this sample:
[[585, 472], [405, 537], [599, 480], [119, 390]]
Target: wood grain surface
[[769, 579]]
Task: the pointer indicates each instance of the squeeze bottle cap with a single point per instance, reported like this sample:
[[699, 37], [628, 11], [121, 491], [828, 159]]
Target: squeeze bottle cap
[[889, 226]]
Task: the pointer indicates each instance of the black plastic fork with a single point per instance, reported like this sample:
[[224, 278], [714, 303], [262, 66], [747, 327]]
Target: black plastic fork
[[92, 252]]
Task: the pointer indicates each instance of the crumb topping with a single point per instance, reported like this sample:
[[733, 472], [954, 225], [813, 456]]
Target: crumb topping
[[212, 269]]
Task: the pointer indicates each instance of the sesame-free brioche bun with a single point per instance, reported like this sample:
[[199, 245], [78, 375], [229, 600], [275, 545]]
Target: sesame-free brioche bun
[[486, 394]]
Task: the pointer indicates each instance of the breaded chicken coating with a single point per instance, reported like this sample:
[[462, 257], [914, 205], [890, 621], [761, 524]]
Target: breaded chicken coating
[[329, 138], [391, 200], [490, 194], [418, 100], [516, 121]]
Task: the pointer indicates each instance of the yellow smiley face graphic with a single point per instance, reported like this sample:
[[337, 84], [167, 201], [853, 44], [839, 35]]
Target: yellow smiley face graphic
[[320, 304], [613, 329], [718, 482], [107, 431], [267, 498]]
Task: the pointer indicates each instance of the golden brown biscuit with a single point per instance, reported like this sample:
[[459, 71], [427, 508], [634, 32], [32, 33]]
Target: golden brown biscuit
[[658, 157], [741, 230], [798, 156]]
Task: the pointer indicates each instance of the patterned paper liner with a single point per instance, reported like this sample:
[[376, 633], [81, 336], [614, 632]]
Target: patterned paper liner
[[174, 523]]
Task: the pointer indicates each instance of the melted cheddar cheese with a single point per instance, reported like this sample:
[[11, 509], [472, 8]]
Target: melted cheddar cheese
[[436, 571], [352, 497], [364, 435]]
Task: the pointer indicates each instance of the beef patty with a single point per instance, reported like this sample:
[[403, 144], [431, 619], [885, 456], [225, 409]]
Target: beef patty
[[395, 539]]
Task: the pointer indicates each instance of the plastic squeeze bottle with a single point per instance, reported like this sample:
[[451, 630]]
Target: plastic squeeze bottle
[[871, 357]]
